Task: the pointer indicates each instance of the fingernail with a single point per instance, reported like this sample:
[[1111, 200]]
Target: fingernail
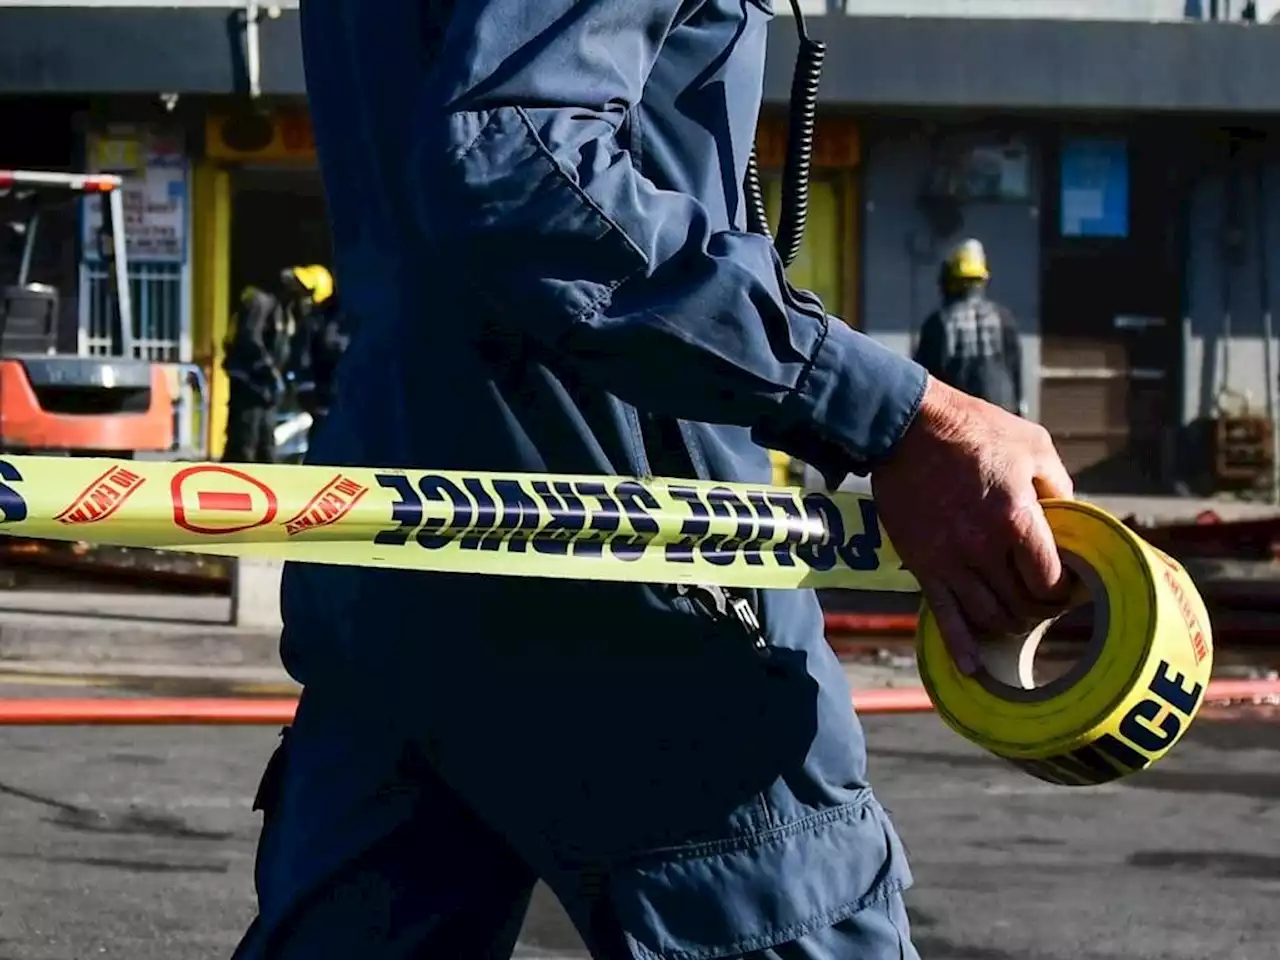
[[968, 664]]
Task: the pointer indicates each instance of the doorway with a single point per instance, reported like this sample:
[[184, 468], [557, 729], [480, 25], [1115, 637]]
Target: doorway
[[1111, 300], [278, 220]]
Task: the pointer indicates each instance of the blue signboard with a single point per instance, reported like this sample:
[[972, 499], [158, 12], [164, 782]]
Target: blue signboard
[[1094, 199]]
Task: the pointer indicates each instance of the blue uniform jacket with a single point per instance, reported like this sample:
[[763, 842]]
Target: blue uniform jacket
[[538, 229]]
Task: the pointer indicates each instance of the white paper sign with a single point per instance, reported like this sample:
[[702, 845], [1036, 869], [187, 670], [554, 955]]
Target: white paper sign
[[154, 194]]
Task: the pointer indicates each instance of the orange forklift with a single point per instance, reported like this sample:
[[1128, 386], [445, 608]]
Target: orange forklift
[[65, 402], [59, 399]]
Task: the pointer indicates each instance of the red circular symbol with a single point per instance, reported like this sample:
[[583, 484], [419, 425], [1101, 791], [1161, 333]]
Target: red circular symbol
[[222, 500]]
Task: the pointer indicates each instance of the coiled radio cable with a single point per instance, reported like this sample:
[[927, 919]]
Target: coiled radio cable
[[798, 160]]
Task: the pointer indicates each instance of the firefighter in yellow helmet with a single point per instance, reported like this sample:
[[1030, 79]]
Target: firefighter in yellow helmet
[[303, 287], [313, 282], [971, 342], [320, 338]]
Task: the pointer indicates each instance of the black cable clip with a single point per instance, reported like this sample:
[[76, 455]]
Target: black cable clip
[[720, 604]]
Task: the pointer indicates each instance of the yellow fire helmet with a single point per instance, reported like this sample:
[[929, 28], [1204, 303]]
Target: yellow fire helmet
[[317, 280], [968, 261]]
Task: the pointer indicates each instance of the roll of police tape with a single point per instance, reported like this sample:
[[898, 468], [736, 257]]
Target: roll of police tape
[[1122, 707], [1135, 689]]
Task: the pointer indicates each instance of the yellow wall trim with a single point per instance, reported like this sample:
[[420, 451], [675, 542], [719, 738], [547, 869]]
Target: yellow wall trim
[[211, 289], [279, 136]]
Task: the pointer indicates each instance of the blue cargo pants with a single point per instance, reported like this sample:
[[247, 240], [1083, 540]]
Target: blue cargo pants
[[439, 883]]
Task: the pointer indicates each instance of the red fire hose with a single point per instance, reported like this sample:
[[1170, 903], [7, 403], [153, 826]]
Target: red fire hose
[[277, 712]]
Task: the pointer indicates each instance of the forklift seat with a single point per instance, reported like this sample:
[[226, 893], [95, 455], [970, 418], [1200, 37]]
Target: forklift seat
[[28, 319]]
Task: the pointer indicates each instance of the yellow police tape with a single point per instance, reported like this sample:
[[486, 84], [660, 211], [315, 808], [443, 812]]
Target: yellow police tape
[[1133, 694]]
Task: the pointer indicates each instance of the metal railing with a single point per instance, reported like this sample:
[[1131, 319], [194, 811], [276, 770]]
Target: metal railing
[[158, 292]]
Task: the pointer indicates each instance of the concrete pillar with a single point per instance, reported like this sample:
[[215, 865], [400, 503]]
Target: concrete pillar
[[255, 594]]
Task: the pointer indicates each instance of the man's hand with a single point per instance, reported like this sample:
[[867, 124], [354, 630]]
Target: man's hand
[[959, 500]]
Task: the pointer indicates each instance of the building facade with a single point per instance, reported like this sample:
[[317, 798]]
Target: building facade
[[1123, 175], [1116, 159]]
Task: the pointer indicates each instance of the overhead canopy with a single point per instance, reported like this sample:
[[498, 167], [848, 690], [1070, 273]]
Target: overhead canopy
[[884, 62]]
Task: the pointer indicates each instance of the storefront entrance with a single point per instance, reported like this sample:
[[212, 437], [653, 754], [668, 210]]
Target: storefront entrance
[[277, 221], [1111, 293]]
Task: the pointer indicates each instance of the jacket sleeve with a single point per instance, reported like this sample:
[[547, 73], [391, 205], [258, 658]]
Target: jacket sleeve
[[252, 337], [520, 159]]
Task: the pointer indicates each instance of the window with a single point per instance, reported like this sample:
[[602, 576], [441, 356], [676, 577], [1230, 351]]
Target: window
[[153, 163]]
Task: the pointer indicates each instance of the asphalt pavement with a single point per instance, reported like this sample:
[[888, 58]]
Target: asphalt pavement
[[138, 843]]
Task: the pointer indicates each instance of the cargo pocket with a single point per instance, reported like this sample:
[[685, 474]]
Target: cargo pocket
[[753, 893]]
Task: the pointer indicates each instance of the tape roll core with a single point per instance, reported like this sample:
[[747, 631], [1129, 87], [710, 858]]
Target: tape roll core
[[1009, 664]]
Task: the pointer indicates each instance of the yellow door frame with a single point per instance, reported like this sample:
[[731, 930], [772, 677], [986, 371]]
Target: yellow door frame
[[837, 156], [287, 141], [211, 290]]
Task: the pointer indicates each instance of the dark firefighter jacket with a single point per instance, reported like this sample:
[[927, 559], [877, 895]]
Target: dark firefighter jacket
[[319, 342], [252, 360], [538, 229], [972, 344]]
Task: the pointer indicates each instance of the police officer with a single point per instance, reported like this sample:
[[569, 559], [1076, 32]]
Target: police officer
[[256, 383], [321, 337], [971, 342], [539, 233]]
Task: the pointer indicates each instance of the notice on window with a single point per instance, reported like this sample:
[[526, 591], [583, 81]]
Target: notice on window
[[1094, 199]]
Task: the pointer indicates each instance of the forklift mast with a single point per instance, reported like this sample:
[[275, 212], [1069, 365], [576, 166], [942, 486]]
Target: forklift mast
[[35, 184]]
